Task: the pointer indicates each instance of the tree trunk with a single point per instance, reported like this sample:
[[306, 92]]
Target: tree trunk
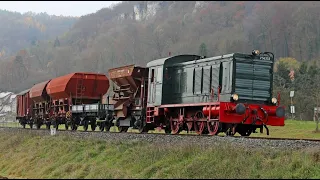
[[300, 50], [317, 119]]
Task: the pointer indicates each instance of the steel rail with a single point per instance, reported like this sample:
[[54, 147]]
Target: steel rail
[[163, 134]]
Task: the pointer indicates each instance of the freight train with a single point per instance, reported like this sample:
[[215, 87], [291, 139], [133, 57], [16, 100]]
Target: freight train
[[231, 93]]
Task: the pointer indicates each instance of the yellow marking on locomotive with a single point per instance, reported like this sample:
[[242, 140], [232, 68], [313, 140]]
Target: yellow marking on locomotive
[[68, 114]]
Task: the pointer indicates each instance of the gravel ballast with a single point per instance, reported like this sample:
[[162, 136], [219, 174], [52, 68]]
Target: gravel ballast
[[172, 139]]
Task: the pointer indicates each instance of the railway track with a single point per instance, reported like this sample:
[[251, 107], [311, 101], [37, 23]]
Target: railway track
[[206, 141], [181, 135]]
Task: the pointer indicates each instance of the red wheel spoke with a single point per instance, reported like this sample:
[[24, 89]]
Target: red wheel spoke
[[199, 127], [199, 122], [213, 127]]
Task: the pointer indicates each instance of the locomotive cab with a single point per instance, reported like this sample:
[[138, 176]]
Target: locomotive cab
[[160, 76]]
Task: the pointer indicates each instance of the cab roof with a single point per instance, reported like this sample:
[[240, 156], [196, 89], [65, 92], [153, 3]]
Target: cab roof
[[176, 59]]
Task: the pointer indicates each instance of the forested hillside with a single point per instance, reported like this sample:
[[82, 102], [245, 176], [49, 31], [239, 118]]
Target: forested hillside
[[19, 31], [137, 32]]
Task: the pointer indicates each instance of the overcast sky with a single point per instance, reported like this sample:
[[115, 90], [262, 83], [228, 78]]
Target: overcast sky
[[65, 8]]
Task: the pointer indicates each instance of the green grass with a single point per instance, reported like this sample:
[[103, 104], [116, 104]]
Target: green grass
[[292, 129], [31, 156]]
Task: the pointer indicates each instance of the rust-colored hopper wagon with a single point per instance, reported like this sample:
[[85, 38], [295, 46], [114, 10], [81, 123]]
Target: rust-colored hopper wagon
[[130, 95], [24, 108], [75, 89], [41, 102]]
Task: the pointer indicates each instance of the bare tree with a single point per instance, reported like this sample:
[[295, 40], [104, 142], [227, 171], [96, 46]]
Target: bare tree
[[4, 102]]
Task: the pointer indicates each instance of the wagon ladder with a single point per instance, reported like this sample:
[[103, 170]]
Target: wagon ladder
[[80, 90]]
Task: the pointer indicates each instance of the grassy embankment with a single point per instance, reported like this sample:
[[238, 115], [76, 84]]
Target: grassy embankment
[[292, 129], [30, 156]]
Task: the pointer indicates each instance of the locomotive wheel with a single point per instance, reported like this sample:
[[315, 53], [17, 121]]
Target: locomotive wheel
[[123, 128], [175, 126], [189, 125], [205, 131], [199, 126], [213, 127], [167, 130], [200, 123]]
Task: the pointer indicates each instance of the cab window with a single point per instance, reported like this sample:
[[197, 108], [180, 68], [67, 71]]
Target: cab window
[[159, 75], [152, 75]]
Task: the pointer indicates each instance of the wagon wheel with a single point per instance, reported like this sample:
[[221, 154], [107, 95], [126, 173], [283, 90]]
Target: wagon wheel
[[38, 124], [31, 125], [23, 126], [143, 128], [74, 127], [213, 127], [101, 126], [108, 126], [199, 126], [85, 125], [66, 125], [93, 126], [123, 128], [56, 124], [48, 125]]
